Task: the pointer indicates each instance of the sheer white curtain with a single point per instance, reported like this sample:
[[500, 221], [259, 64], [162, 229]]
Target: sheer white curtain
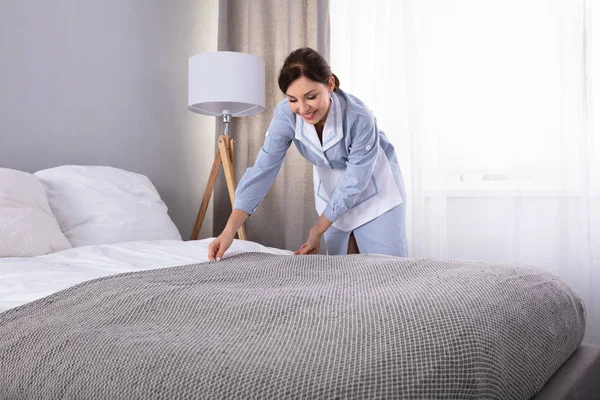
[[490, 105]]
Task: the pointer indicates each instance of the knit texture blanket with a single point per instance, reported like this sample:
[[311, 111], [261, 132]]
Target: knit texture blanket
[[295, 327]]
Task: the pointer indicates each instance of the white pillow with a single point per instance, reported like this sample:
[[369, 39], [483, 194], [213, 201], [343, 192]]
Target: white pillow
[[27, 226], [102, 205]]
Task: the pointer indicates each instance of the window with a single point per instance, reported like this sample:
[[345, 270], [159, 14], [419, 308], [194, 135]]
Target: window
[[492, 92]]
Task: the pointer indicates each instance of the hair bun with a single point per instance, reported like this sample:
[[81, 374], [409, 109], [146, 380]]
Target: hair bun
[[337, 81]]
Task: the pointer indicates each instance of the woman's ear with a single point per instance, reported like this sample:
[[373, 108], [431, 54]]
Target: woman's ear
[[331, 84]]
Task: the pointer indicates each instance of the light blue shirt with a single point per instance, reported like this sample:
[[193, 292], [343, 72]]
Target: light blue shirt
[[350, 142]]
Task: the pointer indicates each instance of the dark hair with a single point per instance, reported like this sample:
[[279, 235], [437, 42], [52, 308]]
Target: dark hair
[[305, 62]]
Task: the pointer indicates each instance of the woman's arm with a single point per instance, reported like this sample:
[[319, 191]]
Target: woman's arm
[[218, 247], [257, 180], [359, 167]]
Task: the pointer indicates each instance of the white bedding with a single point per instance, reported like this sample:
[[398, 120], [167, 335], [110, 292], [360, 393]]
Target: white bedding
[[24, 279]]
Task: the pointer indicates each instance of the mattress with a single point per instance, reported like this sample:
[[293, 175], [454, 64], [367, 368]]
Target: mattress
[[25, 279]]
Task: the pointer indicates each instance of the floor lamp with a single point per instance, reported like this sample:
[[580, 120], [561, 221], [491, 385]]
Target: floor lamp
[[224, 84]]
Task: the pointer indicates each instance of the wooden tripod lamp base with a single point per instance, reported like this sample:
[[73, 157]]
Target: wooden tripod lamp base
[[225, 156]]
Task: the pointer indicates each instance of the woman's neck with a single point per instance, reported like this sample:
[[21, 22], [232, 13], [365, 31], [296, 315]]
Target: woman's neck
[[319, 126]]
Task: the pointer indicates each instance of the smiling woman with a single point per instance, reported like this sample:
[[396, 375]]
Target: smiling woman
[[359, 190]]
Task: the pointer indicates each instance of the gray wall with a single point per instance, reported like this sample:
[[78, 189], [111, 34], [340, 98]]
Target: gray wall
[[104, 82]]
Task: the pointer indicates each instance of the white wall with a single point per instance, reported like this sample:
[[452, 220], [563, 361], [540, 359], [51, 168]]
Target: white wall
[[104, 82]]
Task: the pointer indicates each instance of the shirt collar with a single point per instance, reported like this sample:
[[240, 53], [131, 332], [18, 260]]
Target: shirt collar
[[332, 131]]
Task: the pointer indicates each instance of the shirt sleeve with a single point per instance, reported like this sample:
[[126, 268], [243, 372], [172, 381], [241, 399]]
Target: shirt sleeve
[[257, 180], [359, 167]]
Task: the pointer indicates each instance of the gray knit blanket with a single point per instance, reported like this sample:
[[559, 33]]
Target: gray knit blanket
[[261, 326]]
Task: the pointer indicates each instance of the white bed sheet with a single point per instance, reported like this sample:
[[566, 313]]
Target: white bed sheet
[[24, 279]]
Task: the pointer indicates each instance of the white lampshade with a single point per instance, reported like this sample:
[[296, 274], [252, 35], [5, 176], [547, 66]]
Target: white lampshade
[[226, 82]]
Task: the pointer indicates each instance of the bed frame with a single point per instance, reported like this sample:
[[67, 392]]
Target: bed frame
[[577, 378]]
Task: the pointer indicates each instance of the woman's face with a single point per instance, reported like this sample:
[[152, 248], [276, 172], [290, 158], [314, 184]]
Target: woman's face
[[310, 99]]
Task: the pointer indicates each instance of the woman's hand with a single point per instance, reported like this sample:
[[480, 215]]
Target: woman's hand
[[312, 245], [218, 247]]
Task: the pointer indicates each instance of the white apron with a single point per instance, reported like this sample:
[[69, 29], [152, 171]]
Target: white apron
[[380, 195]]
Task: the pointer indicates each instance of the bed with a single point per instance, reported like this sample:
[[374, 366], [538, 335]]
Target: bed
[[103, 316]]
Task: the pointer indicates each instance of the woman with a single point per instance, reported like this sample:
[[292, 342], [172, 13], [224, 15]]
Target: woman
[[359, 191]]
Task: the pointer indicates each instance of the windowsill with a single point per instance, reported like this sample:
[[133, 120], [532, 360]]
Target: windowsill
[[474, 193]]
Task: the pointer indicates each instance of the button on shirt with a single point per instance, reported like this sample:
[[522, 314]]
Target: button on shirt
[[350, 142]]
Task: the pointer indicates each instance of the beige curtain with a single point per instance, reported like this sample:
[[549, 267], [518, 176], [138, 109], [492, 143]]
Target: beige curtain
[[271, 29]]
